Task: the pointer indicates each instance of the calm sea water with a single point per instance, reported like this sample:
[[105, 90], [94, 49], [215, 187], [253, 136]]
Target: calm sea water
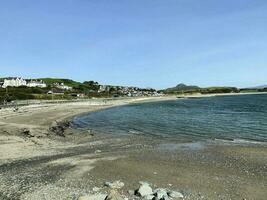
[[227, 117]]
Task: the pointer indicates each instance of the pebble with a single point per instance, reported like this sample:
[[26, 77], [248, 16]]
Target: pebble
[[114, 195], [115, 184], [93, 197], [96, 189], [175, 194]]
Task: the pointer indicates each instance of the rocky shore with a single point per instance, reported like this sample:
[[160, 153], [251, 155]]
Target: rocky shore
[[42, 157], [144, 191]]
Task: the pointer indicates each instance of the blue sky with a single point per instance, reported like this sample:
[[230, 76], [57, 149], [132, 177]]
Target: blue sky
[[146, 43]]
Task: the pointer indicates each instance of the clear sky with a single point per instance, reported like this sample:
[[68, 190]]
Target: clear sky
[[146, 43]]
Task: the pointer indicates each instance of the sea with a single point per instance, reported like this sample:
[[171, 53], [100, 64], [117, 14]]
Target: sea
[[231, 118]]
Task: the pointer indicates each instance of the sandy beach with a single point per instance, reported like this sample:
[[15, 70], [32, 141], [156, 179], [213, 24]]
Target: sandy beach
[[38, 163]]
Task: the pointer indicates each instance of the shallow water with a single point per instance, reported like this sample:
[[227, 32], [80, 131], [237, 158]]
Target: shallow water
[[237, 118]]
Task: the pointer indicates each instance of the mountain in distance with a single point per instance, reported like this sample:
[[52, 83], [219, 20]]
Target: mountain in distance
[[183, 87], [260, 87]]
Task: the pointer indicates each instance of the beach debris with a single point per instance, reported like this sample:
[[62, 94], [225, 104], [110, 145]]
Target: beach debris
[[114, 195], [144, 190], [114, 185]]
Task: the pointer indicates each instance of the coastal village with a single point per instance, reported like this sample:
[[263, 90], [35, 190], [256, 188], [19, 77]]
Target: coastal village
[[58, 88]]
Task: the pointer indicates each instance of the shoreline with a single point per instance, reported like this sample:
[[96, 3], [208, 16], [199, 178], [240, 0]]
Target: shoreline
[[43, 165]]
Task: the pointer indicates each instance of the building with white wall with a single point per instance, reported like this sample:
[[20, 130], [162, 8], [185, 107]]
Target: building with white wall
[[35, 83], [14, 82]]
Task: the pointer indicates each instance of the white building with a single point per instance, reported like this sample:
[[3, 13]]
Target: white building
[[14, 82], [104, 88], [35, 83], [62, 86]]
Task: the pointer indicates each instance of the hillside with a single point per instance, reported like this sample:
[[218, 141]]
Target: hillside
[[182, 87], [260, 87], [68, 82]]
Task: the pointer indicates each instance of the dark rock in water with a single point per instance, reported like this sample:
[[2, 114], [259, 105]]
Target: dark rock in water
[[58, 128]]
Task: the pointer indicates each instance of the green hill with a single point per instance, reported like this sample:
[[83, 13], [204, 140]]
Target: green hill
[[68, 82]]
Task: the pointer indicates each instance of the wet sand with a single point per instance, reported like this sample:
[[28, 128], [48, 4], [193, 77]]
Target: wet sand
[[47, 166]]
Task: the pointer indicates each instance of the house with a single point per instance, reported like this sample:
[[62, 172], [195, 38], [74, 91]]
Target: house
[[14, 82], [81, 95], [104, 88], [62, 86], [36, 83]]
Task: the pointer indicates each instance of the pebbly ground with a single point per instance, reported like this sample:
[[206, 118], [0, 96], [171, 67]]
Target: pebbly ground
[[203, 170]]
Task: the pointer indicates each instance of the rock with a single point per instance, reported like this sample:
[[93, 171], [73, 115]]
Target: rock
[[160, 193], [26, 132], [96, 189], [59, 128], [165, 197], [82, 198], [130, 192], [115, 184], [144, 190], [175, 194], [114, 195], [148, 197], [93, 197], [98, 151]]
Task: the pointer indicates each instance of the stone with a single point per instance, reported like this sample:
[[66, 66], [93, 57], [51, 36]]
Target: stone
[[130, 192], [96, 189], [144, 190], [160, 193], [165, 197], [27, 133], [175, 194], [59, 128], [114, 195], [148, 197], [93, 197], [115, 184]]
